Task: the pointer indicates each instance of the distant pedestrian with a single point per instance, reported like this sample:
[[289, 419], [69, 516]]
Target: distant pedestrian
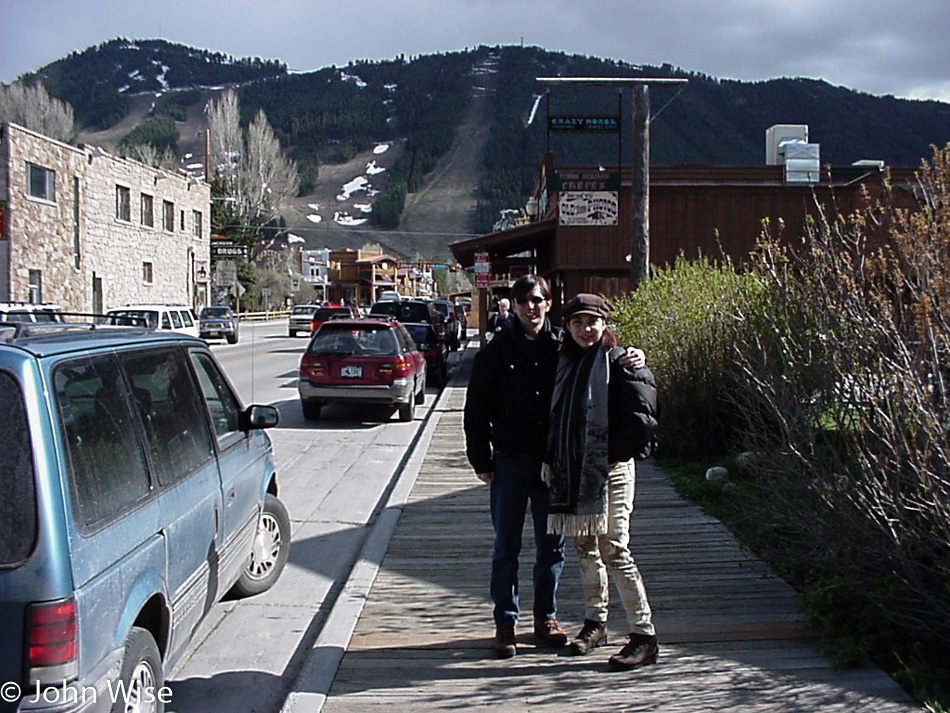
[[603, 416], [501, 320]]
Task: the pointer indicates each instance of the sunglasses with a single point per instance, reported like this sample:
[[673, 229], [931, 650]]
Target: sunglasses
[[533, 299]]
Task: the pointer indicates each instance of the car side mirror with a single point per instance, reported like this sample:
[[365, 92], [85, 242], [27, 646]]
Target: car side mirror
[[256, 417]]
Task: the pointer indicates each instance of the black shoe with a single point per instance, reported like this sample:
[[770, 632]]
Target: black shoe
[[591, 635], [549, 632], [641, 650], [505, 646]]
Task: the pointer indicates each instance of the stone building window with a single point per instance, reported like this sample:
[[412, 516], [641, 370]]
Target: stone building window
[[36, 286], [41, 182], [123, 204], [147, 273], [168, 216], [148, 210], [196, 223]]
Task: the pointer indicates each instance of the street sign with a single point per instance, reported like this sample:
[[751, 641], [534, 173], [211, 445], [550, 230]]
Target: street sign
[[584, 123], [228, 248], [584, 181], [482, 269], [225, 272]]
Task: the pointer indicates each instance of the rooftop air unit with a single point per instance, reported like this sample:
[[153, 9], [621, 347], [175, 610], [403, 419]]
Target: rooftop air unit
[[778, 134]]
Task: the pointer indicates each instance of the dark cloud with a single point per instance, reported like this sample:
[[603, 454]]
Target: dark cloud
[[868, 45]]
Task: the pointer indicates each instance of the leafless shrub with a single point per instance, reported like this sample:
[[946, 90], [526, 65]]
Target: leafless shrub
[[842, 362]]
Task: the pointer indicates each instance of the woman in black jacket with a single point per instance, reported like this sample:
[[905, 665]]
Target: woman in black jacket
[[603, 417]]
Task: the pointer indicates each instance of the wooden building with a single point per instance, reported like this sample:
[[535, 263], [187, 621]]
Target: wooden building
[[693, 210]]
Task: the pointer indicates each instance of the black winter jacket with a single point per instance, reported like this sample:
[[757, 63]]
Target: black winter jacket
[[632, 411], [508, 401]]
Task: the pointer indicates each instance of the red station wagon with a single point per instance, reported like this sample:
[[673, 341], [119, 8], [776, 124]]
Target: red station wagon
[[368, 361]]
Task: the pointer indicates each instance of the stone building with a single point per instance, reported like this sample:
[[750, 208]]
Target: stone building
[[90, 231]]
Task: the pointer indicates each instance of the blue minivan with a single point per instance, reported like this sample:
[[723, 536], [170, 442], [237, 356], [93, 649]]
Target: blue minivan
[[135, 491]]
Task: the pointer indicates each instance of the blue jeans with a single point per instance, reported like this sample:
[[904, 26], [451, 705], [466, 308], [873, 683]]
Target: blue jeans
[[518, 482]]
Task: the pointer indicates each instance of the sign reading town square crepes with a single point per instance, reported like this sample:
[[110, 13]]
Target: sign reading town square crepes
[[591, 180]]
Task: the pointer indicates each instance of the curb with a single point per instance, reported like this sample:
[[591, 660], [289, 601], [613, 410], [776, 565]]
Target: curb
[[311, 686]]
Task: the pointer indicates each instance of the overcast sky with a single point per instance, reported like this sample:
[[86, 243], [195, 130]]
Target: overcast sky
[[874, 46]]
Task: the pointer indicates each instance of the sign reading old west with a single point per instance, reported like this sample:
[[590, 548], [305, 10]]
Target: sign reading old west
[[584, 123], [588, 208], [584, 181]]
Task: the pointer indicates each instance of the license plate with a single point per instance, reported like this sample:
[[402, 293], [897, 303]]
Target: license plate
[[352, 371]]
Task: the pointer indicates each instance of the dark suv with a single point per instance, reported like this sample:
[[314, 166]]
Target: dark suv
[[135, 491], [218, 322], [427, 328]]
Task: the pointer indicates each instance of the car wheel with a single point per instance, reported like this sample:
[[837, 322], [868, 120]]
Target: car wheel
[[269, 551], [141, 675], [405, 412], [311, 409], [233, 339]]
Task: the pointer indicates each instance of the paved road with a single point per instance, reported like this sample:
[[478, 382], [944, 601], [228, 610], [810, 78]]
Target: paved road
[[333, 475]]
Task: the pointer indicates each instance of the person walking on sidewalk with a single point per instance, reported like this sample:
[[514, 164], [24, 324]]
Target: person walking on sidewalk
[[501, 320], [603, 417], [507, 406]]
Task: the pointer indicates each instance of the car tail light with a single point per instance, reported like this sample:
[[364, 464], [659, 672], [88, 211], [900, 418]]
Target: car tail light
[[312, 368], [52, 639], [399, 368]]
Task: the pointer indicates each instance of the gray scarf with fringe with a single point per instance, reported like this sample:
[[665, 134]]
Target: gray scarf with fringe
[[575, 464]]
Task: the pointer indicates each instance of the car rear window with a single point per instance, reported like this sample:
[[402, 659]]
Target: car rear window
[[365, 340], [17, 493], [324, 313], [134, 317], [212, 312], [420, 333], [403, 311]]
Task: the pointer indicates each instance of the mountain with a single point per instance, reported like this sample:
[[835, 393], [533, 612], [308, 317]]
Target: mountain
[[439, 144]]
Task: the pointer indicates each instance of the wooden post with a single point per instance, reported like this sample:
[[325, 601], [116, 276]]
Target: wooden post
[[640, 188]]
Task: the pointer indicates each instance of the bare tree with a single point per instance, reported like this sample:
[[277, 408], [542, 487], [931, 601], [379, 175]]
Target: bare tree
[[32, 107], [250, 165]]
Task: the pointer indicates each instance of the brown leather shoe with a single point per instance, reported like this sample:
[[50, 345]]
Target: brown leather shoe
[[591, 635], [505, 646], [641, 650], [549, 632]]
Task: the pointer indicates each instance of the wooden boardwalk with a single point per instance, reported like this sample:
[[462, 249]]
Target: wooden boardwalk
[[730, 636]]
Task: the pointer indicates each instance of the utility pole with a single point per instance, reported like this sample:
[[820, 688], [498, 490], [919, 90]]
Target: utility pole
[[640, 180]]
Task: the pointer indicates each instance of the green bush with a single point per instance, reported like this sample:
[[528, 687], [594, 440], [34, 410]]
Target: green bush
[[684, 318]]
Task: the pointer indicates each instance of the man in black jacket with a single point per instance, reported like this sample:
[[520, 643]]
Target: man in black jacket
[[506, 426]]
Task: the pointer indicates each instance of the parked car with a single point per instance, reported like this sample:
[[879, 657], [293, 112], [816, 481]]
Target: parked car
[[387, 295], [324, 314], [427, 328], [453, 328], [175, 318], [135, 491], [216, 322], [27, 312], [366, 361], [299, 320]]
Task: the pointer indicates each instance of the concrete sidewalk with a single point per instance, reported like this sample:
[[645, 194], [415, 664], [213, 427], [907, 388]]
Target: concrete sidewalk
[[413, 629]]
